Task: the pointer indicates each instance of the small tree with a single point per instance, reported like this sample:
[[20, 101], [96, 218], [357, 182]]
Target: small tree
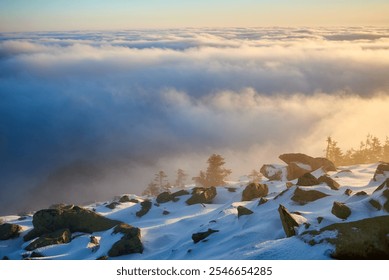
[[161, 181], [181, 178], [215, 174], [152, 189]]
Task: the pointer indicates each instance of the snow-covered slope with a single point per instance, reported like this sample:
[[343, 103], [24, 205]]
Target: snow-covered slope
[[166, 230]]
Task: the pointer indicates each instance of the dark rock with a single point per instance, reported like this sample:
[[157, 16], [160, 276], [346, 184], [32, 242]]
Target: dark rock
[[133, 200], [386, 206], [165, 212], [74, 218], [180, 193], [164, 197], [271, 172], [8, 231], [361, 193], [231, 189], [341, 210], [385, 193], [281, 194], [112, 205], [145, 208], [329, 181], [385, 184], [102, 258], [243, 211], [262, 201], [375, 204], [197, 237], [124, 199], [61, 236], [348, 192], [5, 258], [202, 195], [254, 190], [365, 239], [307, 180], [302, 197], [295, 171], [319, 219], [288, 222], [382, 168], [130, 243], [93, 240], [36, 255], [315, 163]]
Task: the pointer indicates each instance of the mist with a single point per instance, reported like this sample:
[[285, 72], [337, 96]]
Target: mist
[[85, 116]]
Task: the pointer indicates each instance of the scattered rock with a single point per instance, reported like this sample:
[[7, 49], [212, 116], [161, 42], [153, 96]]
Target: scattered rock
[[361, 193], [385, 184], [243, 211], [197, 237], [202, 195], [262, 201], [319, 219], [74, 218], [307, 180], [231, 189], [375, 204], [341, 210], [381, 171], [288, 185], [164, 197], [288, 222], [36, 255], [180, 193], [314, 163], [124, 199], [145, 208], [8, 231], [165, 212], [112, 205], [130, 243], [272, 172], [348, 192], [304, 196], [61, 236], [254, 190], [329, 181]]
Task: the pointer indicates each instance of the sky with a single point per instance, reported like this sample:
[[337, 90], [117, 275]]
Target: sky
[[46, 15]]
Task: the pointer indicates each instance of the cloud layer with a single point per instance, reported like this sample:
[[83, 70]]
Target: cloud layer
[[133, 102]]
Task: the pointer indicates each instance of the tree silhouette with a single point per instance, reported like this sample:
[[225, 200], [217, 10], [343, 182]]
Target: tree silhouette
[[215, 173], [181, 178]]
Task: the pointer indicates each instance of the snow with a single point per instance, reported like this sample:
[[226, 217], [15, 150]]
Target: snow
[[256, 236]]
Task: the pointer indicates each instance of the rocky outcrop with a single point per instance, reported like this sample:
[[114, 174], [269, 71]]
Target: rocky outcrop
[[314, 163], [287, 220], [364, 239], [307, 180], [296, 170], [329, 181], [164, 197], [61, 236], [202, 195], [243, 211], [348, 192], [180, 193], [8, 231], [382, 171], [272, 172], [254, 190], [130, 243], [305, 196], [375, 204], [262, 201], [197, 237], [341, 210], [74, 218], [145, 208]]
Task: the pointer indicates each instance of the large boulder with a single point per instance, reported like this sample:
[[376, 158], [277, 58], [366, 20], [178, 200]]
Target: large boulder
[[8, 231], [314, 163], [61, 236], [382, 171], [305, 196], [254, 190], [329, 181], [364, 239], [272, 172], [341, 210], [74, 218], [130, 243], [145, 208], [202, 195], [180, 193], [164, 197], [197, 237], [287, 220], [243, 211], [307, 180], [296, 170]]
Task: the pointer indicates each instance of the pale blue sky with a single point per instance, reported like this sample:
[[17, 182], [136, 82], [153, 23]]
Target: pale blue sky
[[27, 15]]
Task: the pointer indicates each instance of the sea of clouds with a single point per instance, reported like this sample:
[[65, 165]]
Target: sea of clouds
[[85, 116]]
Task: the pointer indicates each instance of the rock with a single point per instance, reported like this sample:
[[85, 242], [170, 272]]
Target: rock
[[112, 205], [61, 236], [381, 171], [319, 219], [329, 181], [145, 208], [8, 231], [202, 195], [124, 199], [361, 193], [130, 243], [385, 184], [272, 172], [288, 185], [231, 189], [254, 190], [296, 170], [180, 193], [243, 211], [365, 239], [165, 212], [74, 218], [314, 163], [288, 222], [348, 192], [133, 200], [36, 255], [341, 210], [375, 204], [305, 196], [262, 201], [164, 197], [197, 237], [307, 180], [93, 240], [102, 258]]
